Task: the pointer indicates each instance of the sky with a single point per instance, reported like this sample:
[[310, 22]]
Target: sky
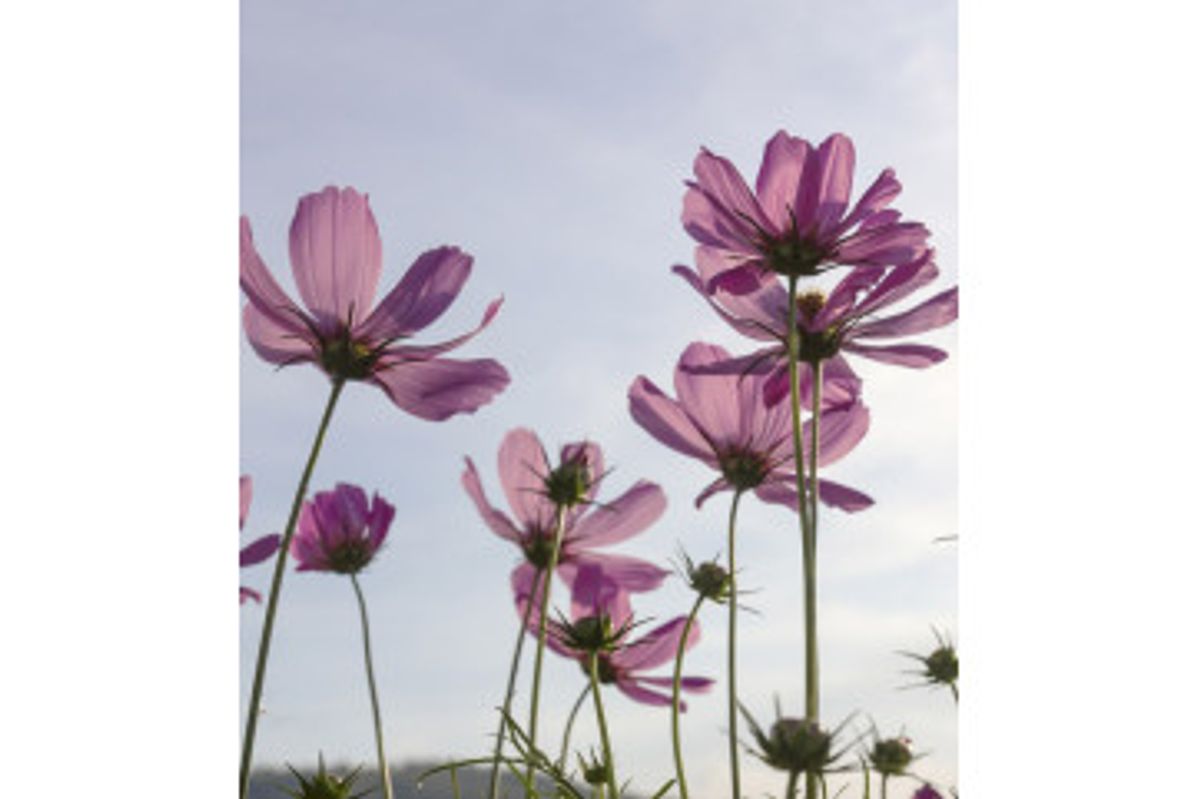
[[551, 142]]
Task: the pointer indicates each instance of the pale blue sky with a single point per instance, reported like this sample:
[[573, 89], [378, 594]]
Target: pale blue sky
[[551, 141]]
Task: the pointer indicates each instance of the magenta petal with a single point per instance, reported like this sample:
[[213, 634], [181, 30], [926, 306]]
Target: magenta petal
[[523, 467], [784, 161], [425, 352], [422, 295], [692, 684], [936, 312], [657, 646], [379, 522], [747, 327], [630, 687], [721, 181], [899, 283], [663, 418], [245, 494], [706, 397], [440, 388], [886, 245], [780, 491], [777, 387], [631, 574], [496, 521], [916, 356], [707, 223], [277, 343], [715, 487], [260, 287], [835, 161], [259, 550], [245, 593], [737, 280], [836, 495], [595, 590], [878, 195], [624, 517], [336, 254], [842, 298], [841, 430]]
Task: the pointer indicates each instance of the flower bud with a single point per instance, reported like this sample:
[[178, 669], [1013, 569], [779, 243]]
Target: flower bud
[[594, 770], [892, 756], [567, 485], [324, 785], [709, 579]]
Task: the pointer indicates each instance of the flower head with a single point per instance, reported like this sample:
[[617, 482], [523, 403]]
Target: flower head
[[336, 261], [891, 756], [339, 531], [324, 785], [723, 421], [842, 322], [794, 745], [708, 578], [795, 223], [260, 549], [535, 491], [940, 667], [601, 622]]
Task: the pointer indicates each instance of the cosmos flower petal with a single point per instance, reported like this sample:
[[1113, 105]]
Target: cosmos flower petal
[[245, 494], [784, 161], [424, 293], [631, 574], [935, 312], [626, 516], [663, 418], [522, 466], [692, 684], [630, 687], [260, 287], [841, 431], [835, 177], [424, 352], [439, 388], [656, 647], [336, 254], [259, 550], [496, 521], [715, 487], [245, 593], [276, 343], [878, 195], [915, 356], [842, 497], [721, 181]]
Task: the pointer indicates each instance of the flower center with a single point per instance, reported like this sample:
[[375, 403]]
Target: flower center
[[345, 358], [794, 256], [349, 557], [604, 670], [568, 485], [538, 549], [743, 468], [809, 303]]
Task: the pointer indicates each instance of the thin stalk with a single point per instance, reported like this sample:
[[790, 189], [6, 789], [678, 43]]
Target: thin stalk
[[385, 774], [814, 445], [883, 786], [560, 519], [610, 768], [675, 687], [731, 666], [790, 791], [566, 741], [494, 780], [808, 530], [264, 646]]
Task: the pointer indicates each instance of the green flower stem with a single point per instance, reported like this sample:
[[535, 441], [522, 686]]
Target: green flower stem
[[883, 786], [675, 686], [385, 774], [731, 667], [808, 529], [610, 768], [494, 780], [560, 520], [818, 378], [790, 791], [264, 646], [566, 741]]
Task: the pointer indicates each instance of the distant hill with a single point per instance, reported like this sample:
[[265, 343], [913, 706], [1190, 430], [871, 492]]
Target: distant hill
[[472, 782]]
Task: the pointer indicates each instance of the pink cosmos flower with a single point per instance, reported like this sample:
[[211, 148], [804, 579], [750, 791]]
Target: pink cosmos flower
[[259, 550], [339, 532], [524, 470], [722, 420], [336, 261], [926, 791], [795, 222], [597, 594], [844, 321]]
